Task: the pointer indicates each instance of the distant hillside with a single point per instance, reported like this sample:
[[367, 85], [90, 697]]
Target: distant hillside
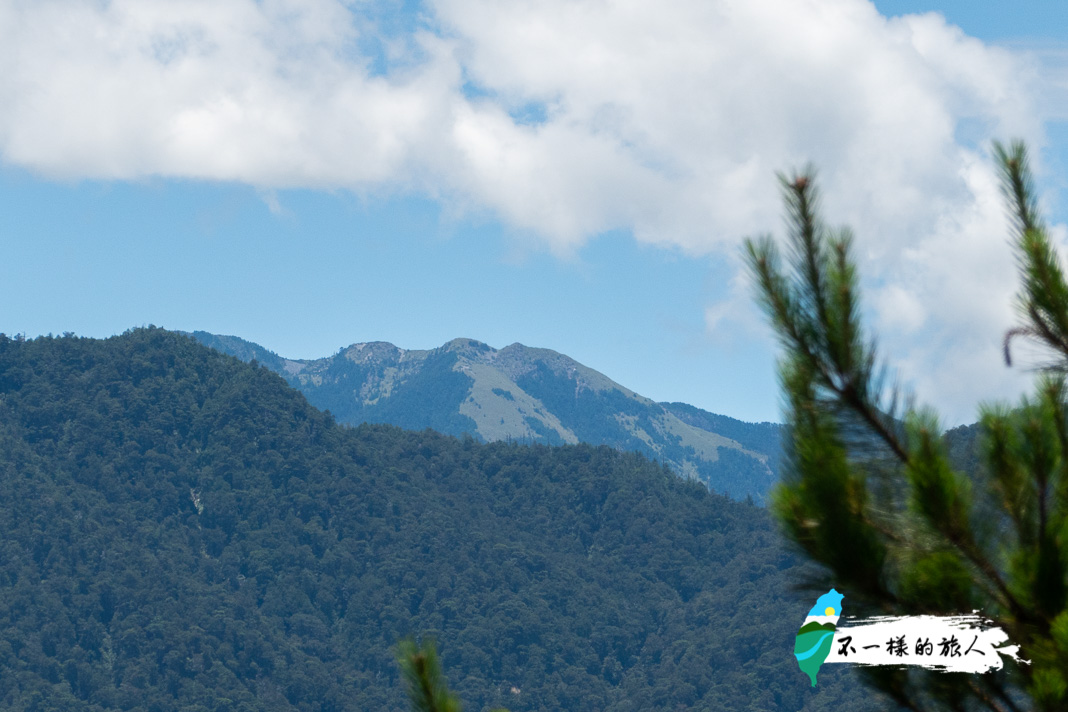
[[183, 531], [524, 394]]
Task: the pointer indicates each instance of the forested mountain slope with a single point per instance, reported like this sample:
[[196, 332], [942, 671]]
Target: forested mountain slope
[[524, 394], [183, 531]]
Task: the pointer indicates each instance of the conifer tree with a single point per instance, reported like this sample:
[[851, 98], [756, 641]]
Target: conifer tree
[[427, 689], [870, 492]]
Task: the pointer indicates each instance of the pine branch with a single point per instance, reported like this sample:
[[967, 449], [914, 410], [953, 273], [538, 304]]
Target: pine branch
[[924, 538], [426, 684]]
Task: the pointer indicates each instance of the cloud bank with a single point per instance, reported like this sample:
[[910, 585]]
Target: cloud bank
[[565, 119]]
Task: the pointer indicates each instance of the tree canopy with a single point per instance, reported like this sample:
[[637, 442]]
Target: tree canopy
[[184, 531]]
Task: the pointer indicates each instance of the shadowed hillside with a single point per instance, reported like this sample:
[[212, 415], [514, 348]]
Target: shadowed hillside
[[183, 530]]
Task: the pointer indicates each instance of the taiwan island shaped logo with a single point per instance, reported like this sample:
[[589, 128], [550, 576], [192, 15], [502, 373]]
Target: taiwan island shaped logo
[[963, 643], [816, 637]]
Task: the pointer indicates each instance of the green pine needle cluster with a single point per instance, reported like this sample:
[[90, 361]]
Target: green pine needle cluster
[[427, 688], [870, 491]]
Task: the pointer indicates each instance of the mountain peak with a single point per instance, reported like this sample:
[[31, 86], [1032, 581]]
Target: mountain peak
[[527, 394], [373, 352], [468, 347]]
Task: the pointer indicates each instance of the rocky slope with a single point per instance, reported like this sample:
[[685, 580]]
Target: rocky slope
[[523, 394]]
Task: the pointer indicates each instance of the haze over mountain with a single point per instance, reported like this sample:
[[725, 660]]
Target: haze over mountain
[[523, 394]]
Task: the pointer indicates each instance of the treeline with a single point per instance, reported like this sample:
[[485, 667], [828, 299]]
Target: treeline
[[183, 531]]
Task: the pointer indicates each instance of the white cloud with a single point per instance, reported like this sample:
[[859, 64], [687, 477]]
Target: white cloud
[[900, 309], [266, 93], [666, 119]]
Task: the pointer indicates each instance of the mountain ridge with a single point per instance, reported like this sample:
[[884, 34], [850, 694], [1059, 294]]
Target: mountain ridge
[[185, 531], [525, 394]]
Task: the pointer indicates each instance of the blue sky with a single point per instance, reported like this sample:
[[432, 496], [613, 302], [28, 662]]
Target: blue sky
[[569, 175]]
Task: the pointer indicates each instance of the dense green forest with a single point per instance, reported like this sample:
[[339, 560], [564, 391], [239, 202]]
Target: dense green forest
[[183, 531]]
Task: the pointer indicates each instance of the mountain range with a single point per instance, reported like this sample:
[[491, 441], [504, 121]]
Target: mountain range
[[184, 531], [523, 394]]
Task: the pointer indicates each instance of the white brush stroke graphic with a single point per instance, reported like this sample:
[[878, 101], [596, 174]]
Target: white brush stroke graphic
[[965, 643]]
